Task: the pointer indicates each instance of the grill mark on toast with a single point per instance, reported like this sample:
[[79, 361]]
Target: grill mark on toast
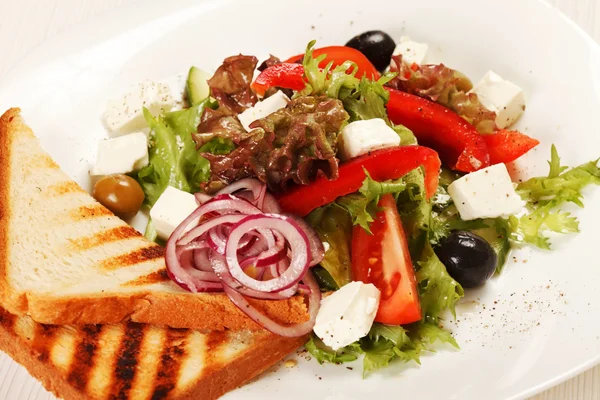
[[154, 277], [83, 359], [7, 320], [127, 361], [214, 341], [43, 340], [87, 212], [63, 188], [111, 235], [138, 256], [173, 354]]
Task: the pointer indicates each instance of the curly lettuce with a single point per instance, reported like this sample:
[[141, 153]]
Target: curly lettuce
[[383, 345], [545, 196], [363, 98], [438, 291], [362, 205]]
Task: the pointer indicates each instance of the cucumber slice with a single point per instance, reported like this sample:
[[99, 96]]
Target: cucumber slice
[[497, 237], [196, 87]]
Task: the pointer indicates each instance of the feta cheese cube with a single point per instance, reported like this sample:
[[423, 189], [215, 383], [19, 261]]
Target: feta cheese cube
[[503, 97], [125, 114], [347, 315], [412, 52], [487, 193], [121, 155], [360, 137], [263, 108], [171, 209]]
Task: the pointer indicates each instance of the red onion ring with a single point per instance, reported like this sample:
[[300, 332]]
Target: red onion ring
[[234, 235], [222, 271], [293, 234], [317, 251]]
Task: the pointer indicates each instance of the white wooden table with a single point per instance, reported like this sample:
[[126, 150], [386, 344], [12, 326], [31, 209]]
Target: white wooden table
[[24, 24]]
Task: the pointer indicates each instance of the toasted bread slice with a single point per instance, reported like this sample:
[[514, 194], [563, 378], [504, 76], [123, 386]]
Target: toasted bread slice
[[139, 361], [66, 259]]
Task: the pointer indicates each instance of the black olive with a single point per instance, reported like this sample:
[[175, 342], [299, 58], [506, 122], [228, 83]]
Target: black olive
[[377, 46], [469, 259]]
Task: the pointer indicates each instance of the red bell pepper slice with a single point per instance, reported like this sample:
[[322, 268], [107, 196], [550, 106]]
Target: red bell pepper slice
[[460, 145], [382, 258], [506, 146], [382, 165], [284, 75], [339, 55]]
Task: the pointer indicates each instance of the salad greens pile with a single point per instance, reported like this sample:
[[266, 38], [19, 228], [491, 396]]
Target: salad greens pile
[[332, 98]]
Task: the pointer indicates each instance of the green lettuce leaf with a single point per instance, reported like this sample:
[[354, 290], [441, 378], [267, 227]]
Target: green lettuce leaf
[[532, 228], [362, 206], [448, 220], [561, 185], [324, 354], [385, 344], [438, 291], [367, 99], [545, 195], [427, 334], [173, 158]]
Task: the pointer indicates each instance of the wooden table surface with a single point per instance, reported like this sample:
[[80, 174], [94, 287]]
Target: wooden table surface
[[25, 24]]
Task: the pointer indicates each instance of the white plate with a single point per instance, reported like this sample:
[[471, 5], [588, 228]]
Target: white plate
[[533, 327]]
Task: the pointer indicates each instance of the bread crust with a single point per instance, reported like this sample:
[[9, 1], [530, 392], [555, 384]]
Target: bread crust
[[202, 311], [175, 308], [216, 379], [7, 295]]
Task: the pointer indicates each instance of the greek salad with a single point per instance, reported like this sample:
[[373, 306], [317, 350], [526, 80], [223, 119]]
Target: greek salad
[[364, 177]]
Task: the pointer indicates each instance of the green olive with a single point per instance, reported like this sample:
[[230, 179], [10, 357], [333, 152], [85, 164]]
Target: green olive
[[121, 194]]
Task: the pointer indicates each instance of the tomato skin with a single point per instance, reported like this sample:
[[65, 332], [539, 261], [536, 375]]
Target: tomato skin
[[383, 259], [506, 146], [339, 55]]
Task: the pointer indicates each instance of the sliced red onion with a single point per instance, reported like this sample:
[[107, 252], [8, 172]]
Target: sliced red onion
[[237, 234], [202, 198], [221, 270], [317, 251], [201, 260], [270, 205], [297, 241], [253, 185], [188, 277], [196, 232], [314, 300]]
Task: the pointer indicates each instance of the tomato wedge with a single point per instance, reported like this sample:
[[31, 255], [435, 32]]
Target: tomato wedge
[[339, 55], [383, 260]]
